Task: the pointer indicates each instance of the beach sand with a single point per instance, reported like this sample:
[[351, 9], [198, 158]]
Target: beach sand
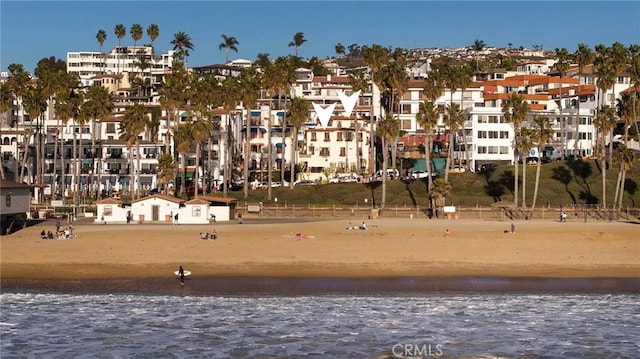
[[145, 254]]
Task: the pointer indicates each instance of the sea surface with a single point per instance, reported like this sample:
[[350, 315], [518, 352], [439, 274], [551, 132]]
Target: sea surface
[[40, 325]]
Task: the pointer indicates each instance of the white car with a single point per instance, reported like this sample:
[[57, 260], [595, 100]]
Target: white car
[[419, 174]]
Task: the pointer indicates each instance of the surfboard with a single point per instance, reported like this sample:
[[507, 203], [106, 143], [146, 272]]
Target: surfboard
[[186, 273]]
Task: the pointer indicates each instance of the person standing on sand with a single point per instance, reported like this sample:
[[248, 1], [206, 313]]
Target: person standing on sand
[[181, 274], [447, 233], [513, 228], [175, 219]]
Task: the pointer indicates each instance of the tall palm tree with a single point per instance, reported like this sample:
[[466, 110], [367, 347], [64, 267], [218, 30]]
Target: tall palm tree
[[375, 57], [153, 31], [66, 107], [35, 104], [464, 79], [182, 44], [166, 171], [184, 142], [298, 115], [202, 122], [583, 56], [395, 79], [228, 43], [562, 65], [515, 110], [453, 120], [6, 100], [542, 134], [627, 159], [99, 104], [17, 82], [250, 84], [388, 130], [132, 125], [478, 45], [270, 87], [286, 76], [524, 142], [358, 82], [101, 36], [298, 40], [120, 31], [427, 118], [605, 71], [136, 35], [605, 121], [627, 107]]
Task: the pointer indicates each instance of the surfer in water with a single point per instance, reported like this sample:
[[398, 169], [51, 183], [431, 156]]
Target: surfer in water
[[181, 274]]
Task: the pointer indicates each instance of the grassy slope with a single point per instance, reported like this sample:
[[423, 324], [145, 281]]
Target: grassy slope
[[561, 183]]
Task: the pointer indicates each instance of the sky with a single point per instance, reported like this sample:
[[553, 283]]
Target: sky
[[32, 30]]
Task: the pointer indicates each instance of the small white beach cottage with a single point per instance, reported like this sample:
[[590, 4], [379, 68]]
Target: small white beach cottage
[[160, 208]]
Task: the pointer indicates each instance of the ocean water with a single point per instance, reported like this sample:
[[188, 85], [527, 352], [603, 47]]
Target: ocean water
[[38, 325]]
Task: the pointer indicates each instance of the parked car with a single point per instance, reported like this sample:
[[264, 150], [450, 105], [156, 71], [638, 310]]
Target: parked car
[[306, 183], [457, 169], [488, 166]]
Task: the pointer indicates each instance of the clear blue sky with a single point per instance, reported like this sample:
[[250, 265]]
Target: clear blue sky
[[31, 30]]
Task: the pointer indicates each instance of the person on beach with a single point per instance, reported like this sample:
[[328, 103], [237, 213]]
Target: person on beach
[[43, 234], [175, 219], [447, 233], [58, 225], [363, 226], [181, 274], [213, 235], [513, 228]]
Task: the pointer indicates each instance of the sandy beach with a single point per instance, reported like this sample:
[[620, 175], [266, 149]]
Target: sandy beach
[[389, 248]]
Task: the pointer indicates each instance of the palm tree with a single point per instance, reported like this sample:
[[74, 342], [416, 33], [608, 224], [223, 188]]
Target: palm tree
[[375, 57], [133, 123], [66, 107], [388, 130], [453, 120], [358, 82], [583, 56], [464, 79], [515, 111], [441, 190], [286, 76], [524, 142], [270, 86], [228, 43], [201, 124], [434, 86], [542, 133], [120, 31], [182, 44], [395, 79], [478, 45], [562, 65], [339, 49], [605, 121], [136, 35], [605, 71], [101, 36], [6, 99], [166, 171], [35, 104], [427, 118], [99, 105], [298, 115], [184, 142], [298, 40], [153, 31], [627, 107], [250, 84]]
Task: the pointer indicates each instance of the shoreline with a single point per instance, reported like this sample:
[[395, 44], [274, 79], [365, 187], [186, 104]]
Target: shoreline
[[391, 256], [282, 286]]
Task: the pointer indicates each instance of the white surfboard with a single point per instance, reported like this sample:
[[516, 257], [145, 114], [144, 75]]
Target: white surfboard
[[186, 273]]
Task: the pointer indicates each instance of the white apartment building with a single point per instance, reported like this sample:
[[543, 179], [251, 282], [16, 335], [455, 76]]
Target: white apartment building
[[88, 64]]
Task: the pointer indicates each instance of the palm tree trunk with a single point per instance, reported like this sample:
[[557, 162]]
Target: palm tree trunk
[[93, 156], [384, 173], [449, 156], [615, 196], [535, 188], [197, 174], [247, 151], [63, 175], [54, 187], [138, 169], [294, 146], [524, 184], [624, 177], [73, 162], [515, 182]]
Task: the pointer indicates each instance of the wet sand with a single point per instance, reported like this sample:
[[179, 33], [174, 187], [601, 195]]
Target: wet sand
[[391, 256]]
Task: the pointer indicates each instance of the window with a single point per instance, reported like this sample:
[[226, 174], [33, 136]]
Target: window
[[494, 119], [340, 136], [482, 149], [493, 150], [111, 128], [405, 124], [324, 152], [504, 134], [482, 119], [493, 134], [313, 136], [343, 151], [312, 150], [405, 108], [327, 137], [504, 150], [482, 134]]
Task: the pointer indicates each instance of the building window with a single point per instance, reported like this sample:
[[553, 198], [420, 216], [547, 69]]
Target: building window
[[312, 150], [111, 128], [493, 134], [405, 108], [482, 119], [324, 152], [493, 150], [494, 119], [482, 134], [482, 149], [339, 136], [405, 124], [313, 136], [327, 137], [504, 134], [504, 150], [343, 151]]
